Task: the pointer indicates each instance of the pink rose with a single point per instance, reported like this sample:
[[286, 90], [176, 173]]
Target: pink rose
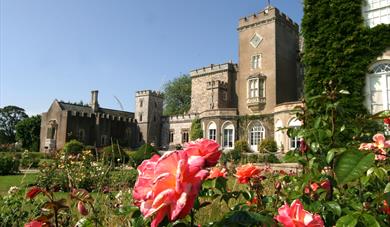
[[34, 223], [208, 149], [216, 172], [296, 216], [245, 172], [379, 146], [82, 209], [168, 185]]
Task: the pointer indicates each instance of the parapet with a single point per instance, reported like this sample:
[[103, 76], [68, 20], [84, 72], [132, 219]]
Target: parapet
[[182, 117], [148, 93], [216, 84], [265, 16], [213, 68]]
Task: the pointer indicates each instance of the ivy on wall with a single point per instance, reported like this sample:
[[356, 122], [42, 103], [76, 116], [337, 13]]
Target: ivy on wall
[[338, 49]]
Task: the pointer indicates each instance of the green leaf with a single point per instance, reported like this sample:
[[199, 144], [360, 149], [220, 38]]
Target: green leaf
[[352, 164], [347, 221], [370, 220], [387, 188], [330, 156], [245, 218], [84, 222], [335, 207]]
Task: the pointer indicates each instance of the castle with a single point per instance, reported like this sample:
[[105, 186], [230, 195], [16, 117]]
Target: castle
[[249, 100]]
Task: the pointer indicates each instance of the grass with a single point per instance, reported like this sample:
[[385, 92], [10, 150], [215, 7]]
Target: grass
[[21, 181]]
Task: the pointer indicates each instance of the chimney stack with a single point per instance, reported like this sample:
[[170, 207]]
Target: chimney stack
[[94, 101]]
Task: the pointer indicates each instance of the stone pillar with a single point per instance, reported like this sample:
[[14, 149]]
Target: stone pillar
[[94, 101]]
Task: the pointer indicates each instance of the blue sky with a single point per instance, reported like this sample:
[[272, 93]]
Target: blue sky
[[65, 48]]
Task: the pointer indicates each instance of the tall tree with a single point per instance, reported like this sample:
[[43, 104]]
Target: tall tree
[[28, 132], [9, 117], [177, 95]]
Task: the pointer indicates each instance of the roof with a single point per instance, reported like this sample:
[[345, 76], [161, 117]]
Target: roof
[[87, 109]]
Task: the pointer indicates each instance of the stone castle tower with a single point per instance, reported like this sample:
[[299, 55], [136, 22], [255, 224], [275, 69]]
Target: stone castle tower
[[268, 62], [148, 113]]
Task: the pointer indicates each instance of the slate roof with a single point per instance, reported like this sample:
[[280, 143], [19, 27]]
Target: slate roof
[[88, 109]]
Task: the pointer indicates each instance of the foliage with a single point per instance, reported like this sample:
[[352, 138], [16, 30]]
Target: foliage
[[196, 129], [8, 165], [28, 160], [28, 132], [267, 145], [177, 95], [114, 155], [74, 171], [233, 156], [241, 146], [144, 152], [73, 147], [9, 117]]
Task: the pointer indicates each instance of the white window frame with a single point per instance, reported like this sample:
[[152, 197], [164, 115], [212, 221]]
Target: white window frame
[[228, 134], [256, 134], [256, 61], [278, 134], [256, 88], [212, 131], [376, 12], [384, 78], [293, 143]]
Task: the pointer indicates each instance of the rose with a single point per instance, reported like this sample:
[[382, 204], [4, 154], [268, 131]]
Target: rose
[[295, 216], [379, 146], [82, 209], [35, 223], [208, 149], [216, 172], [34, 191], [169, 185], [245, 172]]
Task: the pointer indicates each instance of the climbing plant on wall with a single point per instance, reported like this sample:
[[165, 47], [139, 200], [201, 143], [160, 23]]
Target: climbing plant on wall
[[338, 49]]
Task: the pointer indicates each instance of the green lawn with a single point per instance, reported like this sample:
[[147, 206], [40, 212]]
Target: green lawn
[[16, 180]]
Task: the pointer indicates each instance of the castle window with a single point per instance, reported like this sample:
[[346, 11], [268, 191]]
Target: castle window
[[294, 141], [184, 136], [212, 131], [51, 133], [376, 12], [154, 118], [378, 88], [256, 135], [228, 136], [171, 135], [103, 140], [81, 135], [140, 117], [256, 62], [141, 102], [256, 88]]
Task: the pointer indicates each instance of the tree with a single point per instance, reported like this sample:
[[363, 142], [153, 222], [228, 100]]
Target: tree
[[177, 95], [28, 132], [196, 130], [9, 117]]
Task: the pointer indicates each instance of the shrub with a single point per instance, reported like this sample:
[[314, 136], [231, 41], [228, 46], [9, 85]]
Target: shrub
[[114, 154], [241, 146], [9, 165], [146, 151], [231, 156], [196, 130], [267, 145], [73, 147], [29, 160]]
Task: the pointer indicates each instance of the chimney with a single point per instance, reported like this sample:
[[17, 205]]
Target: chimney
[[94, 101]]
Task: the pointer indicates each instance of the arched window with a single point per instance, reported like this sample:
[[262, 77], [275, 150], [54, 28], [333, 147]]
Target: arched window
[[294, 141], [212, 131], [378, 88], [256, 135], [279, 133], [228, 135]]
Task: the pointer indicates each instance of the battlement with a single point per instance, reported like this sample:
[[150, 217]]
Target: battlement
[[267, 15], [181, 117], [213, 68], [148, 92], [216, 84], [101, 116]]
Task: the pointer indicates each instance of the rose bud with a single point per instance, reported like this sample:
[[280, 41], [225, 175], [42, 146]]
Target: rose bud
[[82, 209]]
